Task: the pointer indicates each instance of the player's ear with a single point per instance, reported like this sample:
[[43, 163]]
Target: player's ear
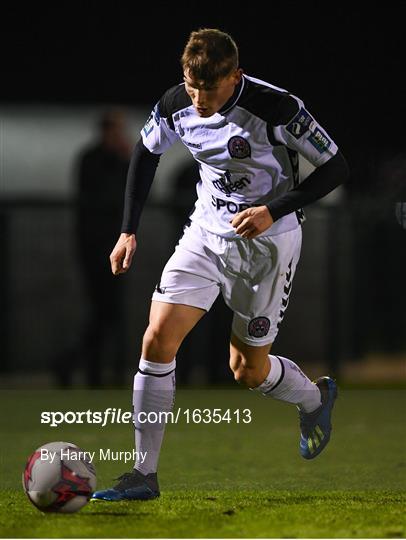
[[237, 76]]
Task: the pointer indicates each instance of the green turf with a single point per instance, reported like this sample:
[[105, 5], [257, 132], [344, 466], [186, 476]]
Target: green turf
[[224, 480]]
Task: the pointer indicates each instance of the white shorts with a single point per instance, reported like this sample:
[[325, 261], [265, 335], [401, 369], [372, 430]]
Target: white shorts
[[254, 277]]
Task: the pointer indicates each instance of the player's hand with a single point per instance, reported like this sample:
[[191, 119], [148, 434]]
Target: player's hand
[[122, 254], [251, 222]]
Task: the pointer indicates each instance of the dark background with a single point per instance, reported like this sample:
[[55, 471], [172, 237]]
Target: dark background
[[127, 51], [345, 61]]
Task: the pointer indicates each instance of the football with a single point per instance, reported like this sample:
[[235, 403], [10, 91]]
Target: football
[[59, 477]]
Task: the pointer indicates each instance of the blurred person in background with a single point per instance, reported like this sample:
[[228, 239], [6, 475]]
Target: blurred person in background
[[101, 172]]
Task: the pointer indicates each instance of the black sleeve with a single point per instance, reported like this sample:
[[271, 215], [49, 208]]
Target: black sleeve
[[288, 107], [318, 184], [140, 175]]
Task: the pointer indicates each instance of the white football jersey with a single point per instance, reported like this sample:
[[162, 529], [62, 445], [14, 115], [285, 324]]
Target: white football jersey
[[247, 152]]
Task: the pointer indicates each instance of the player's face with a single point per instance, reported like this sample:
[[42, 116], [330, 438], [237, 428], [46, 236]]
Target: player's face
[[208, 100]]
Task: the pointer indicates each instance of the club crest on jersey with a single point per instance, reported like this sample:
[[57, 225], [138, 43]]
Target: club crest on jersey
[[239, 147], [259, 327], [300, 123]]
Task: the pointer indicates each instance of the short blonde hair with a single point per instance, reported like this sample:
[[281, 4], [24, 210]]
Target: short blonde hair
[[209, 55]]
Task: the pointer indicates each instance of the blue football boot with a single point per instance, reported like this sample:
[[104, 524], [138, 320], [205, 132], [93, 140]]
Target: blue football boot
[[315, 427], [133, 486]]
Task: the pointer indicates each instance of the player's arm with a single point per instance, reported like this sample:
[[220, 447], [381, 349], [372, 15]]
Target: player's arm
[[140, 176], [299, 131], [156, 137], [319, 183], [296, 128]]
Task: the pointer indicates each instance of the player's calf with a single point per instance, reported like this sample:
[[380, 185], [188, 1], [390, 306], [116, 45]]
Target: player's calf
[[315, 401]]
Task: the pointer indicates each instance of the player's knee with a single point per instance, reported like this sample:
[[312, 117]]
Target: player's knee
[[246, 376], [247, 371], [237, 365], [243, 374], [235, 360], [158, 345]]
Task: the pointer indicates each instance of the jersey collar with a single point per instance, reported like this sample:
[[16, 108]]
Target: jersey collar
[[234, 98]]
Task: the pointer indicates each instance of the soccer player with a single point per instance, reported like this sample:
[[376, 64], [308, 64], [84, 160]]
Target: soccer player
[[243, 239]]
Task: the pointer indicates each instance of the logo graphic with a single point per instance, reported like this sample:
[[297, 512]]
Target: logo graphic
[[29, 467], [227, 186], [259, 327], [149, 124], [239, 148], [188, 143], [319, 140], [69, 486], [157, 116], [300, 123], [180, 130], [230, 206], [159, 289]]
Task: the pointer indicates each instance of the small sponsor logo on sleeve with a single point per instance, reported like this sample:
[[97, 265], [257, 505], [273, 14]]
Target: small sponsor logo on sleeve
[[300, 123], [153, 117], [319, 140], [149, 125], [157, 115]]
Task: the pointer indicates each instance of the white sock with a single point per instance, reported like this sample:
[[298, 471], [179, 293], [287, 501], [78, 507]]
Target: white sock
[[154, 392], [287, 382]]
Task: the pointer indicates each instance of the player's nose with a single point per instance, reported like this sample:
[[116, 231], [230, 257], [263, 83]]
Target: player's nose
[[200, 98]]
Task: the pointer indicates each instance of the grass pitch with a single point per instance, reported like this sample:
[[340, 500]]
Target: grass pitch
[[222, 480]]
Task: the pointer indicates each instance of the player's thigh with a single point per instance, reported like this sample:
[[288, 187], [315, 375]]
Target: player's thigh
[[191, 277], [174, 320], [259, 297], [168, 325]]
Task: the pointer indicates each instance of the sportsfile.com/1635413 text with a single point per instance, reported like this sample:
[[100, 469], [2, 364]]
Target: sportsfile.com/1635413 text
[[113, 415]]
